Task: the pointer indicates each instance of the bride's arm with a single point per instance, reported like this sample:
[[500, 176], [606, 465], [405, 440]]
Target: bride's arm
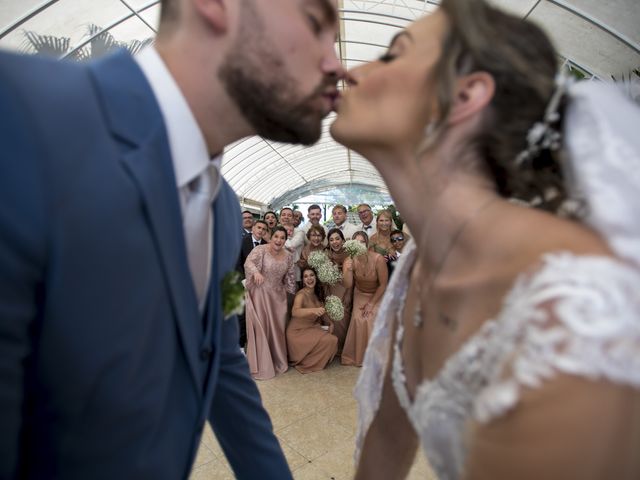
[[390, 443], [565, 404], [569, 428]]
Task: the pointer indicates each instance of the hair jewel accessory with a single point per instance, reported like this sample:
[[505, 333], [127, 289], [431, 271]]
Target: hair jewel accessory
[[544, 135]]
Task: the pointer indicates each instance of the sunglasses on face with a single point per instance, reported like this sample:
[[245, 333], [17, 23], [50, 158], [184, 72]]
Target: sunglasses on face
[[397, 239]]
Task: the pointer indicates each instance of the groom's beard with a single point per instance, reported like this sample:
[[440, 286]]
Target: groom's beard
[[253, 75]]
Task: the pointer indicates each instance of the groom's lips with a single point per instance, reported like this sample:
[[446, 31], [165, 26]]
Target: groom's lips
[[332, 97]]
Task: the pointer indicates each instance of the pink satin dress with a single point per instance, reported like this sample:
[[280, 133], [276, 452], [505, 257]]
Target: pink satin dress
[[266, 311], [345, 294], [311, 348], [366, 283]]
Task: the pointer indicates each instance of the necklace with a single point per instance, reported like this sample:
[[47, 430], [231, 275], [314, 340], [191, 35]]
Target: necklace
[[445, 319]]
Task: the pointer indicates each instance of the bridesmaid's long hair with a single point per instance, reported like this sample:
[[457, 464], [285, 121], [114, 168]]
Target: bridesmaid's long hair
[[317, 289]]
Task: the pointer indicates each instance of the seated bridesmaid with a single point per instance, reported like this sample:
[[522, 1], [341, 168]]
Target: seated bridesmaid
[[369, 274], [316, 237], [311, 346]]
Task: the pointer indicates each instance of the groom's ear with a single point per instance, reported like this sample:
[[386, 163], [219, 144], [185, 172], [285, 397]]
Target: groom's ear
[[214, 12], [473, 93]]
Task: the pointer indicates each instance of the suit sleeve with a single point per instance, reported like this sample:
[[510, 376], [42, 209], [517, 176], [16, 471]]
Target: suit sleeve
[[22, 221], [241, 258], [240, 422]]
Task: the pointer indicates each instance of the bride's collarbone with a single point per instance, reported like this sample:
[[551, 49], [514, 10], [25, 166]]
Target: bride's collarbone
[[451, 314]]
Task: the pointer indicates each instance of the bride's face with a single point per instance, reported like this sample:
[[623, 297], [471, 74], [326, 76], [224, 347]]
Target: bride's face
[[388, 102]]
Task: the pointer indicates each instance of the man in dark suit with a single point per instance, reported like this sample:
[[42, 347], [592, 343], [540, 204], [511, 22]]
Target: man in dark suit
[[114, 347], [247, 223], [249, 243]]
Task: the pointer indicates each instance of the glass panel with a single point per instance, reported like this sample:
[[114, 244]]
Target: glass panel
[[67, 30]]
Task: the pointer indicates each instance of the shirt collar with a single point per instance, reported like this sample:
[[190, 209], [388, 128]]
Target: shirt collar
[[189, 152]]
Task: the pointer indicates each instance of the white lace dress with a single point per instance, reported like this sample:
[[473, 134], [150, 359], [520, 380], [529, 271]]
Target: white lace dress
[[578, 315]]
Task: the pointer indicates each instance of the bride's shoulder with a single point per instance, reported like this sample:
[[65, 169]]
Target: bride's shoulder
[[538, 240]]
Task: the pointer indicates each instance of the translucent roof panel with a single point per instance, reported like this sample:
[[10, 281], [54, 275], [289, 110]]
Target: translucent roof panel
[[600, 37]]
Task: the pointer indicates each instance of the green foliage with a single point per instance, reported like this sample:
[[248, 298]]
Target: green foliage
[[397, 219]]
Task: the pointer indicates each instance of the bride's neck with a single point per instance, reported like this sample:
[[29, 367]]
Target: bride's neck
[[436, 194]]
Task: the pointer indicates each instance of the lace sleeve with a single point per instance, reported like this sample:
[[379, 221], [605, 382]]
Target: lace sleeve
[[253, 263], [290, 276], [578, 316]]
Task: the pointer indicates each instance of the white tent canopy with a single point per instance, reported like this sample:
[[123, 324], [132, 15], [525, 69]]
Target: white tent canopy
[[601, 38]]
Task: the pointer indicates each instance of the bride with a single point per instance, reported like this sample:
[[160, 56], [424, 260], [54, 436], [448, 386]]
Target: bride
[[508, 343]]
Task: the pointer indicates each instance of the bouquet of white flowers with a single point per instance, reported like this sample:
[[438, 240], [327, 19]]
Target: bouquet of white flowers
[[232, 294], [355, 248], [334, 308], [316, 259], [329, 273]]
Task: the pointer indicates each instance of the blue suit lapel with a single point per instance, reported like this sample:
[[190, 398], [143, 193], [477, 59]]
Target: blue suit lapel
[[135, 118], [226, 248], [221, 255]]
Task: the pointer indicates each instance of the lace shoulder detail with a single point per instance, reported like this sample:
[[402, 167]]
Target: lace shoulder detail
[[368, 389], [576, 315]]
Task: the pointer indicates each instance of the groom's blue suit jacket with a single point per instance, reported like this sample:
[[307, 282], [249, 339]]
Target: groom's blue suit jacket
[[107, 370]]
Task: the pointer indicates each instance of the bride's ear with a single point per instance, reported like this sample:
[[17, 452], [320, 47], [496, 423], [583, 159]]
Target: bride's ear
[[473, 93]]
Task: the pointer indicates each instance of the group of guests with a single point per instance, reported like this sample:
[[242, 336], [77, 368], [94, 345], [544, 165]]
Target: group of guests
[[276, 332]]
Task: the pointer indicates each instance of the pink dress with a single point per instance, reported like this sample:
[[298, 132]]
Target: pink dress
[[266, 311], [366, 282], [311, 348], [345, 294]]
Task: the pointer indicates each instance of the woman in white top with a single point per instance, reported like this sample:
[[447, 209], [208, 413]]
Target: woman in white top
[[508, 343]]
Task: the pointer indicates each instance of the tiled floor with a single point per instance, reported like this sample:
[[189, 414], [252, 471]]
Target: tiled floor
[[314, 417]]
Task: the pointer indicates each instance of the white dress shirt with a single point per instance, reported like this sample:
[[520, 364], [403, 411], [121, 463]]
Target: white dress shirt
[[348, 229], [295, 244], [369, 229], [189, 153]]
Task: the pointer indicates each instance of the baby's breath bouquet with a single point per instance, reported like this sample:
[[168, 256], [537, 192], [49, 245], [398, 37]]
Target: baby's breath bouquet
[[354, 248], [334, 308], [316, 259], [232, 294], [329, 273]]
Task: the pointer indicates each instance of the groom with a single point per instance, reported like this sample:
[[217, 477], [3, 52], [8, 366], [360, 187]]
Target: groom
[[114, 348]]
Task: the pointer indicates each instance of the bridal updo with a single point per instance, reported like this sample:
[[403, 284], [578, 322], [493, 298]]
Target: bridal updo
[[523, 63]]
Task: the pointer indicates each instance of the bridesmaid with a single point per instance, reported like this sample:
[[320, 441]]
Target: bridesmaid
[[270, 275], [380, 242], [369, 273], [316, 236], [272, 222], [337, 254], [311, 347]]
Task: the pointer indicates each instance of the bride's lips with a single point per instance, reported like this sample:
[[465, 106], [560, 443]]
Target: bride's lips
[[332, 98]]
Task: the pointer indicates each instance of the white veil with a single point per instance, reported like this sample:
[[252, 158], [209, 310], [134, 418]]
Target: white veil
[[602, 139]]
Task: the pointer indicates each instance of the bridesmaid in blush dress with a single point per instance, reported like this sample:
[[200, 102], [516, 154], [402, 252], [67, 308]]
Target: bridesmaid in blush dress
[[369, 273], [337, 254], [270, 275], [310, 343]]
